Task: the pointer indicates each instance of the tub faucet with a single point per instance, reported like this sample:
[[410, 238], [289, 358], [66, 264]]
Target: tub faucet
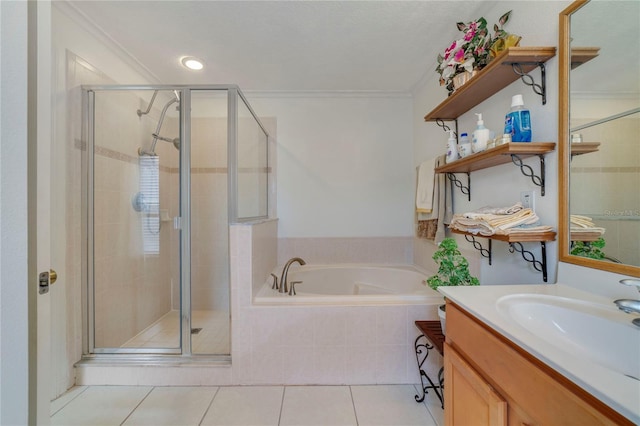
[[630, 305], [283, 279]]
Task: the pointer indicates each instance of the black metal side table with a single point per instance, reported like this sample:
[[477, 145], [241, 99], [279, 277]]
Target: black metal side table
[[430, 338]]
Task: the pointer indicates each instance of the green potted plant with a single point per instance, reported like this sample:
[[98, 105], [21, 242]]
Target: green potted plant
[[592, 249], [453, 270]]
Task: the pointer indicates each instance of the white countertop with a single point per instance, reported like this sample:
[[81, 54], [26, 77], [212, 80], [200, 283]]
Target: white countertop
[[620, 392]]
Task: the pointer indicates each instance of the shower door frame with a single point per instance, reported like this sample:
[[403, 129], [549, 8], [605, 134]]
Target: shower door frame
[[88, 127]]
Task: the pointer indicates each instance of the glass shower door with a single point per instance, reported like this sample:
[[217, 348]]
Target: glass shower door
[[210, 288], [134, 169]]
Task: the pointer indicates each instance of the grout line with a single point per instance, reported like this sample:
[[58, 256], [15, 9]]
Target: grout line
[[284, 389], [209, 406], [353, 404], [424, 402], [68, 402], [138, 405]]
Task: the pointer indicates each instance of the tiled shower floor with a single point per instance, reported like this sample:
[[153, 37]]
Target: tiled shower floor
[[213, 339], [389, 405]]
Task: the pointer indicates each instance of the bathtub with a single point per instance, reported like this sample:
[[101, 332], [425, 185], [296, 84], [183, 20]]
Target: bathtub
[[352, 284]]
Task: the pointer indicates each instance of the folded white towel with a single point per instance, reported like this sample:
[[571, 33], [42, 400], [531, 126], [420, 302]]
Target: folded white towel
[[424, 189]]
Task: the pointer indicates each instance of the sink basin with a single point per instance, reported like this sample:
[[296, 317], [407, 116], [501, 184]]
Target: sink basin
[[600, 333]]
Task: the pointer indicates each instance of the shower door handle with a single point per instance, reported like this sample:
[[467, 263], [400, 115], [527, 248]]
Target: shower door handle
[[177, 222]]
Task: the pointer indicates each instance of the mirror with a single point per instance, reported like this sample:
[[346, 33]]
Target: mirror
[[599, 135]]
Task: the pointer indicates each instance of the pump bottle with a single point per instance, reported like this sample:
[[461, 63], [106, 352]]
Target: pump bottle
[[480, 136]]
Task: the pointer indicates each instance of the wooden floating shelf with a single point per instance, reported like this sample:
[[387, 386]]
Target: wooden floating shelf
[[501, 154], [493, 78], [585, 236], [581, 55], [578, 148], [515, 237]]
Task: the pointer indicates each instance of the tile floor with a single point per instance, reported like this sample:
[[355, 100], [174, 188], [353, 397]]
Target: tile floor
[[213, 339], [388, 405]]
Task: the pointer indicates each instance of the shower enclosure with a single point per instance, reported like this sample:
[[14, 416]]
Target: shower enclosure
[[168, 168]]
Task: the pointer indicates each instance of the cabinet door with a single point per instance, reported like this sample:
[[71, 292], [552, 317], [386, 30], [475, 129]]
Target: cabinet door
[[468, 399]]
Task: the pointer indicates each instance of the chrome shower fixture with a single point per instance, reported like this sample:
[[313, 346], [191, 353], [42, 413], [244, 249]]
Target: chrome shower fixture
[[156, 135]]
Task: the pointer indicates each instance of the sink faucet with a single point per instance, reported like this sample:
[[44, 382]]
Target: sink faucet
[[630, 305], [283, 279]]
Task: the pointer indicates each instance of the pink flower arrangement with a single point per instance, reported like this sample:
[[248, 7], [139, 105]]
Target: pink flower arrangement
[[470, 52]]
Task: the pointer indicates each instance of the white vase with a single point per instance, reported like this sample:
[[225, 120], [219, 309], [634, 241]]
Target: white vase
[[442, 315]]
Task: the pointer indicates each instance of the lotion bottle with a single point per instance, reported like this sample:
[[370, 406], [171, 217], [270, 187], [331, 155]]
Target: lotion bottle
[[452, 148], [480, 136], [517, 123]]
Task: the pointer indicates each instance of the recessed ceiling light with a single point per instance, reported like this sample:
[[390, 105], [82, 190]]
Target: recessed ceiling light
[[192, 63]]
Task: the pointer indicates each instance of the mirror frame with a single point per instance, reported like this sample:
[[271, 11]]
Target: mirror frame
[[564, 153]]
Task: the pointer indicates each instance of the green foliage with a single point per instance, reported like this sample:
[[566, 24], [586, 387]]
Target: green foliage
[[453, 267], [592, 249]]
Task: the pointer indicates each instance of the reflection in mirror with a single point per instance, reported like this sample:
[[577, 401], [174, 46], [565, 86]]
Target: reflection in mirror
[[605, 188], [600, 135]]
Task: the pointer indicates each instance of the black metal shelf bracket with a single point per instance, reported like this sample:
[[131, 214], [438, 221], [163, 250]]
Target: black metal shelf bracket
[[528, 171], [466, 190], [540, 266], [540, 89], [440, 122], [478, 246]]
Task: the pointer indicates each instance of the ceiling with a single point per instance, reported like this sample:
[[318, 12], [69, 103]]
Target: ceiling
[[285, 45]]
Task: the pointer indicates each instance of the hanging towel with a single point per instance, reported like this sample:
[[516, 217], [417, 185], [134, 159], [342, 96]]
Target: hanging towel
[[424, 189], [433, 225]]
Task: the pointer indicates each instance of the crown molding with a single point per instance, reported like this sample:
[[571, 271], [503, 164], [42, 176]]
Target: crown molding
[[394, 94], [90, 26]]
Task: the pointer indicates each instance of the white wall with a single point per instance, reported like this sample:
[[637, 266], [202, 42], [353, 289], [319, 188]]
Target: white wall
[[344, 164], [72, 44], [537, 23], [14, 324]]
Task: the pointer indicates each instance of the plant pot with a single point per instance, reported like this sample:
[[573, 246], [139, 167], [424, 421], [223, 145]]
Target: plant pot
[[460, 79], [442, 315]]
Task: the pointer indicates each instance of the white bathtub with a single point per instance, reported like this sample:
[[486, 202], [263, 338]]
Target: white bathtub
[[352, 284]]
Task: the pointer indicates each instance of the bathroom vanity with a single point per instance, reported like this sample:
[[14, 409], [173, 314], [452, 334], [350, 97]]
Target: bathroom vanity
[[504, 365]]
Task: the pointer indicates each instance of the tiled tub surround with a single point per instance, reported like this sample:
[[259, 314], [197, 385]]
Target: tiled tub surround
[[314, 344], [292, 344]]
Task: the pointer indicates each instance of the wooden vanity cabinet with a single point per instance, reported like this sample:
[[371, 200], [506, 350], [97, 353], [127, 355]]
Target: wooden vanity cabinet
[[491, 381]]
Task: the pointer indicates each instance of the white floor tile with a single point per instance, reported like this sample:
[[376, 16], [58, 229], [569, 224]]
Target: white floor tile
[[173, 406], [245, 405], [317, 405], [434, 406], [391, 405], [101, 405], [58, 403]]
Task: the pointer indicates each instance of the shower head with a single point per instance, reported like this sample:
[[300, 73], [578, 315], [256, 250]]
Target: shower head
[[174, 141], [156, 134]]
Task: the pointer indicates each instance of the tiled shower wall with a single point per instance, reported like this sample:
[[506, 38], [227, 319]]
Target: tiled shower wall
[[209, 215]]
